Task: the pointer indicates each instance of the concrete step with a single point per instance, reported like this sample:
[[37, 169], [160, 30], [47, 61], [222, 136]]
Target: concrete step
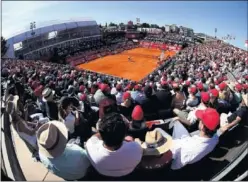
[[31, 169]]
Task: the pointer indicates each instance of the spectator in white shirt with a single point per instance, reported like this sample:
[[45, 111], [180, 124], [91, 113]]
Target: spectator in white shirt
[[108, 152], [190, 149], [67, 116], [191, 117]]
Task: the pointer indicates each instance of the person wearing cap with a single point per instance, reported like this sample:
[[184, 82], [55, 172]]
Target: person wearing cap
[[127, 105], [150, 105], [200, 88], [119, 94], [187, 149], [68, 161], [190, 118], [221, 105], [92, 91], [186, 86], [49, 105], [137, 95], [222, 87], [179, 98], [239, 116], [99, 95], [164, 96], [237, 97], [102, 93], [108, 151], [192, 101], [38, 94], [138, 126]]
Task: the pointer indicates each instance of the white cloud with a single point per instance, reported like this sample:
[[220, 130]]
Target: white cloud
[[17, 14]]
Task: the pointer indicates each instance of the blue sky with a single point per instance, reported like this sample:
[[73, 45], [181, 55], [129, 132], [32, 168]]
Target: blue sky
[[229, 17]]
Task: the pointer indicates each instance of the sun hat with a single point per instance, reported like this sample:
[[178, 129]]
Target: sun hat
[[156, 144], [52, 138], [209, 117], [47, 94]]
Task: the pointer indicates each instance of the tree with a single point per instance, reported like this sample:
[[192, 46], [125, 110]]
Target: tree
[[112, 24], [4, 47], [145, 25], [121, 24], [163, 28], [154, 26]]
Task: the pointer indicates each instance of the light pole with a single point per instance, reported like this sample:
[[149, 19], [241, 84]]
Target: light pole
[[32, 27]]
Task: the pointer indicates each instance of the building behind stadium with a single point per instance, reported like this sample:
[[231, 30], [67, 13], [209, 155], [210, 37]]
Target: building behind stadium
[[36, 43]]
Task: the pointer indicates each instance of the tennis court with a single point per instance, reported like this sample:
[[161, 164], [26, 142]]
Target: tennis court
[[144, 61]]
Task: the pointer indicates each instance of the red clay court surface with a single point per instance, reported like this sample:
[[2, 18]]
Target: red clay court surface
[[143, 63]]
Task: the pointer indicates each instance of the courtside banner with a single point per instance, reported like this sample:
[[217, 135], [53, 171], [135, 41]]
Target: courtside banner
[[160, 46]]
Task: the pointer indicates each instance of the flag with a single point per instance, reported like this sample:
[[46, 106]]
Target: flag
[[215, 30]]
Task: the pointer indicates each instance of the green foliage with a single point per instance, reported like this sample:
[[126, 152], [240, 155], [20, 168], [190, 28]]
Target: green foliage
[[145, 25], [154, 26], [112, 24], [121, 24]]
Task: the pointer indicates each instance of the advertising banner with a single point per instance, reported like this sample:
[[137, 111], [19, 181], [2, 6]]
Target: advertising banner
[[160, 46]]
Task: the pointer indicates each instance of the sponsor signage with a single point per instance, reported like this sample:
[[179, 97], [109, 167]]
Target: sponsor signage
[[160, 46]]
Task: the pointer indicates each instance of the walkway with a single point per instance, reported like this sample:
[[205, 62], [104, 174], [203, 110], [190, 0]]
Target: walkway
[[32, 170]]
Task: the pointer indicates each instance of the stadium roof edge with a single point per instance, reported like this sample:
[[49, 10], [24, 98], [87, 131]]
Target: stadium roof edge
[[43, 24]]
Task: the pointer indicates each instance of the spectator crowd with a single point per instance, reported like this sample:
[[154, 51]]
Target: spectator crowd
[[76, 121], [167, 37]]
